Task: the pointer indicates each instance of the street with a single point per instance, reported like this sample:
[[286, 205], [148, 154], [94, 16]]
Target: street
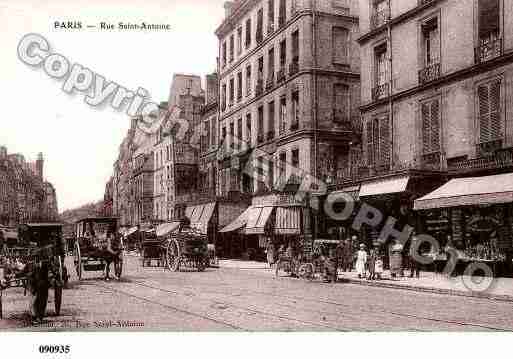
[[231, 299]]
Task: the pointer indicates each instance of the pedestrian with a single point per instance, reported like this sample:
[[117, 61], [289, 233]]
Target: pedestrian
[[348, 255], [270, 253], [339, 255], [412, 258], [361, 261], [371, 264], [379, 264]]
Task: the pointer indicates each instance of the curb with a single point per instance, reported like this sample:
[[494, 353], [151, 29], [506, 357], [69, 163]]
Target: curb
[[459, 293]]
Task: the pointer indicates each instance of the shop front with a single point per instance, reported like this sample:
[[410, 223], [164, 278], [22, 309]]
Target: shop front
[[474, 216]]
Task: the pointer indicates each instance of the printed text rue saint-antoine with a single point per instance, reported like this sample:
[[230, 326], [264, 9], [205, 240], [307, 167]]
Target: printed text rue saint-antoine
[[110, 26]]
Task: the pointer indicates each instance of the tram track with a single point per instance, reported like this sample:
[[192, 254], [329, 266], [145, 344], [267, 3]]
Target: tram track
[[337, 304]]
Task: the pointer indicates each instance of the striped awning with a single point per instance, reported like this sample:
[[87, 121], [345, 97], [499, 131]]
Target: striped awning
[[288, 220], [385, 186], [202, 215], [470, 191], [238, 223], [258, 218]]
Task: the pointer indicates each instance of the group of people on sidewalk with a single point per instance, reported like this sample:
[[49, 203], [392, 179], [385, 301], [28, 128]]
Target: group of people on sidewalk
[[367, 264]]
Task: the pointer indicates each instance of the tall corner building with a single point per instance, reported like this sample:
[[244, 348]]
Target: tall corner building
[[289, 84]]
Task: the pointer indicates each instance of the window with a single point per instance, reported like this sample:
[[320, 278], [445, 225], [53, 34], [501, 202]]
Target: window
[[295, 111], [223, 53], [239, 40], [341, 103], [260, 124], [430, 112], [214, 131], [378, 142], [260, 26], [490, 43], [239, 86], [295, 158], [248, 129], [239, 133], [207, 134], [283, 53], [431, 39], [340, 44], [232, 48], [381, 72], [283, 114], [380, 13], [270, 15], [223, 98], [232, 90], [232, 136], [271, 63], [248, 33], [261, 68], [282, 166], [248, 80], [282, 15], [270, 125], [295, 46], [489, 111]]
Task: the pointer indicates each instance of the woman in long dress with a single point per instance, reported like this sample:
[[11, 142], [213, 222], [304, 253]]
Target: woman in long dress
[[361, 261]]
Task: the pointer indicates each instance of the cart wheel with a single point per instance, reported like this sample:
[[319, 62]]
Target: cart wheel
[[78, 260], [306, 271], [173, 256]]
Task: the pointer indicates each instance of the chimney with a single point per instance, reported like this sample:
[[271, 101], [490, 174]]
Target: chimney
[[228, 8], [212, 90], [3, 152], [40, 165]]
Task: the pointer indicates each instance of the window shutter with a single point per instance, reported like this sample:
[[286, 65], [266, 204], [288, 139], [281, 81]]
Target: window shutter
[[435, 126], [426, 133], [495, 98], [370, 146], [384, 140], [484, 113]]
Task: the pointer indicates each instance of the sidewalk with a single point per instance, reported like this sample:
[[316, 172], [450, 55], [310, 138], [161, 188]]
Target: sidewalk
[[500, 289]]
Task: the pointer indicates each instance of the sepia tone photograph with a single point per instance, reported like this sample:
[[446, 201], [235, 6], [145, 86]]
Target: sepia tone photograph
[[256, 166]]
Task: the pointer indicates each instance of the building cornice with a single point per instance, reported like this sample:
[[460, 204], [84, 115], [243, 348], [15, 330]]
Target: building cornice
[[396, 20], [459, 75]]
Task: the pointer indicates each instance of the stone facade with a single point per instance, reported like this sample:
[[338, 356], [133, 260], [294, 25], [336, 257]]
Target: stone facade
[[24, 195]]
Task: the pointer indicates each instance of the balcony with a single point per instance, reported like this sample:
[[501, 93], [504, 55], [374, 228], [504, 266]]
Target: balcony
[[380, 91], [489, 49], [380, 18], [270, 81], [259, 89], [501, 159], [429, 73], [294, 67], [281, 75]]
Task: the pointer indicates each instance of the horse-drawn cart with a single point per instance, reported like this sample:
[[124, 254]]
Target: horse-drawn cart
[[97, 245], [35, 261]]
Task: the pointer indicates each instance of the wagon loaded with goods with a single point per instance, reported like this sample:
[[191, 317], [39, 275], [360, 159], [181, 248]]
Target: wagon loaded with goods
[[34, 260], [97, 245], [176, 245]]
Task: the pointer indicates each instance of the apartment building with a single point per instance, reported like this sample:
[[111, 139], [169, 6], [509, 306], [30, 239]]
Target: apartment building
[[436, 75], [289, 97]]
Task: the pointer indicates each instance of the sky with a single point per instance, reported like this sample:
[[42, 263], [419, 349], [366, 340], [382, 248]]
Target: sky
[[80, 143]]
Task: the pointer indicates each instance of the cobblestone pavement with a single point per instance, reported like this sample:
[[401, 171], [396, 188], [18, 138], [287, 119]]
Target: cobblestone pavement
[[228, 299]]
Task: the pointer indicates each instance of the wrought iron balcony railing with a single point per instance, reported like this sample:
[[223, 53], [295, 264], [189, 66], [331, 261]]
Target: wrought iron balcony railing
[[294, 67], [502, 158], [488, 50], [487, 148], [381, 91], [429, 73], [431, 161], [380, 18], [341, 117]]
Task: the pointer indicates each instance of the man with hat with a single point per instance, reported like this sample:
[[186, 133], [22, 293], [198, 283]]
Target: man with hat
[[361, 261]]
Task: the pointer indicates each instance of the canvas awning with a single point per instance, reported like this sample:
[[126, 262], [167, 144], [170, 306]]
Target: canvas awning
[[131, 231], [351, 191], [166, 228], [257, 219], [238, 223], [470, 191], [202, 216], [385, 186], [288, 220]]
